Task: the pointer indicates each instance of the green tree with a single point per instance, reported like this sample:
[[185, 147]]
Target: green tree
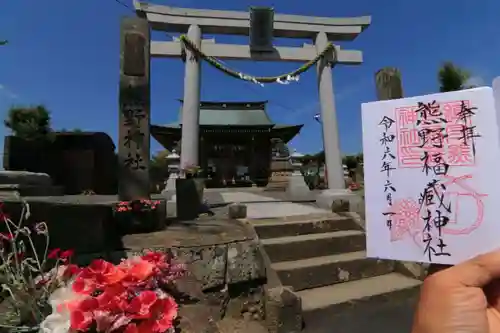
[[75, 130], [158, 166], [452, 77], [350, 162], [320, 157], [160, 158], [30, 123], [360, 158], [4, 42]]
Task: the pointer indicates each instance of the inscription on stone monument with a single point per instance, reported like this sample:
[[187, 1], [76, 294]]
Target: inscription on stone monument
[[134, 116], [134, 60]]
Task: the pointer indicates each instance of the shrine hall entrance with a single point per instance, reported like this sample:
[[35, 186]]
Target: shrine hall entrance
[[232, 159], [229, 163]]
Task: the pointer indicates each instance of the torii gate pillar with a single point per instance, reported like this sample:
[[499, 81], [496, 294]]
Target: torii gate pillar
[[190, 141], [333, 160]]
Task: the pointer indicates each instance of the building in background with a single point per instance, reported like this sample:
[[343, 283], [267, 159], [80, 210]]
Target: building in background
[[238, 142]]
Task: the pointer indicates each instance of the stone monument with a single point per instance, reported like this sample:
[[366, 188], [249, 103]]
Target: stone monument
[[388, 84], [134, 115]]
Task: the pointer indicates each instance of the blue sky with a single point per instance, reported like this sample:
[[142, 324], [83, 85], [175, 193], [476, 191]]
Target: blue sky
[[65, 53]]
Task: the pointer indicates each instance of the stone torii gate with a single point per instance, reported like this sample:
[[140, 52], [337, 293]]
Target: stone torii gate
[[195, 22]]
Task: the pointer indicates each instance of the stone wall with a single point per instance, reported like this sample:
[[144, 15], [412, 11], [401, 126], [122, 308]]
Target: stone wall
[[76, 161]]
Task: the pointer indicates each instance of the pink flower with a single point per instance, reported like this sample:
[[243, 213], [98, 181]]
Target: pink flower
[[98, 274], [140, 306], [66, 254], [54, 254], [6, 236], [83, 316]]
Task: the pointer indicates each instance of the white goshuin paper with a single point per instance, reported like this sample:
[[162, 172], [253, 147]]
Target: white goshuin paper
[[474, 225]]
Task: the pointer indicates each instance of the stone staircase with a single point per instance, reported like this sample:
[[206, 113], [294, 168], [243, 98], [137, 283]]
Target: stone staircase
[[322, 257]]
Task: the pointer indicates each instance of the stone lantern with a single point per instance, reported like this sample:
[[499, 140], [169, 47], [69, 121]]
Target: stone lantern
[[173, 162], [173, 165]]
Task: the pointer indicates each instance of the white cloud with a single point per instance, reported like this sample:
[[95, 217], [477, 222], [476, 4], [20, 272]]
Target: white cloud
[[7, 92], [475, 81]]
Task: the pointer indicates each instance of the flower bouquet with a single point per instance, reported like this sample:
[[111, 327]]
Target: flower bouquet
[[137, 206], [131, 297], [48, 294], [137, 215]]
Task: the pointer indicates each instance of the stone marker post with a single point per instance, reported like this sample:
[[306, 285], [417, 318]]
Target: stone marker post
[[388, 84], [134, 115]]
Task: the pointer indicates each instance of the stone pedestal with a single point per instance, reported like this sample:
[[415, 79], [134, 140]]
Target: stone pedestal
[[297, 187], [171, 182], [339, 201]]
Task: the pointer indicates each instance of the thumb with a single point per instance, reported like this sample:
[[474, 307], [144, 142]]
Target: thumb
[[476, 272]]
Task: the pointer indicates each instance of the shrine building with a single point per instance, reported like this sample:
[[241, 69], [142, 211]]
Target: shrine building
[[237, 141]]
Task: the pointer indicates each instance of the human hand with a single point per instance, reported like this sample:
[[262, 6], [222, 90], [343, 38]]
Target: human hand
[[461, 299]]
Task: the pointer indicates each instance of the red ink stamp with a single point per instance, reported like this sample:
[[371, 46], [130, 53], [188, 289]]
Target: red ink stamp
[[437, 131], [406, 220], [461, 194]]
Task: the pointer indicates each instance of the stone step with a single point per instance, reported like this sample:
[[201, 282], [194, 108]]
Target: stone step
[[313, 245], [328, 270], [375, 292], [274, 184], [273, 228]]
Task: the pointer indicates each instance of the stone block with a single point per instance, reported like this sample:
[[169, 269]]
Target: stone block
[[25, 178], [340, 206], [283, 309], [91, 222], [207, 264], [171, 208], [244, 262], [237, 211], [338, 201], [189, 196]]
